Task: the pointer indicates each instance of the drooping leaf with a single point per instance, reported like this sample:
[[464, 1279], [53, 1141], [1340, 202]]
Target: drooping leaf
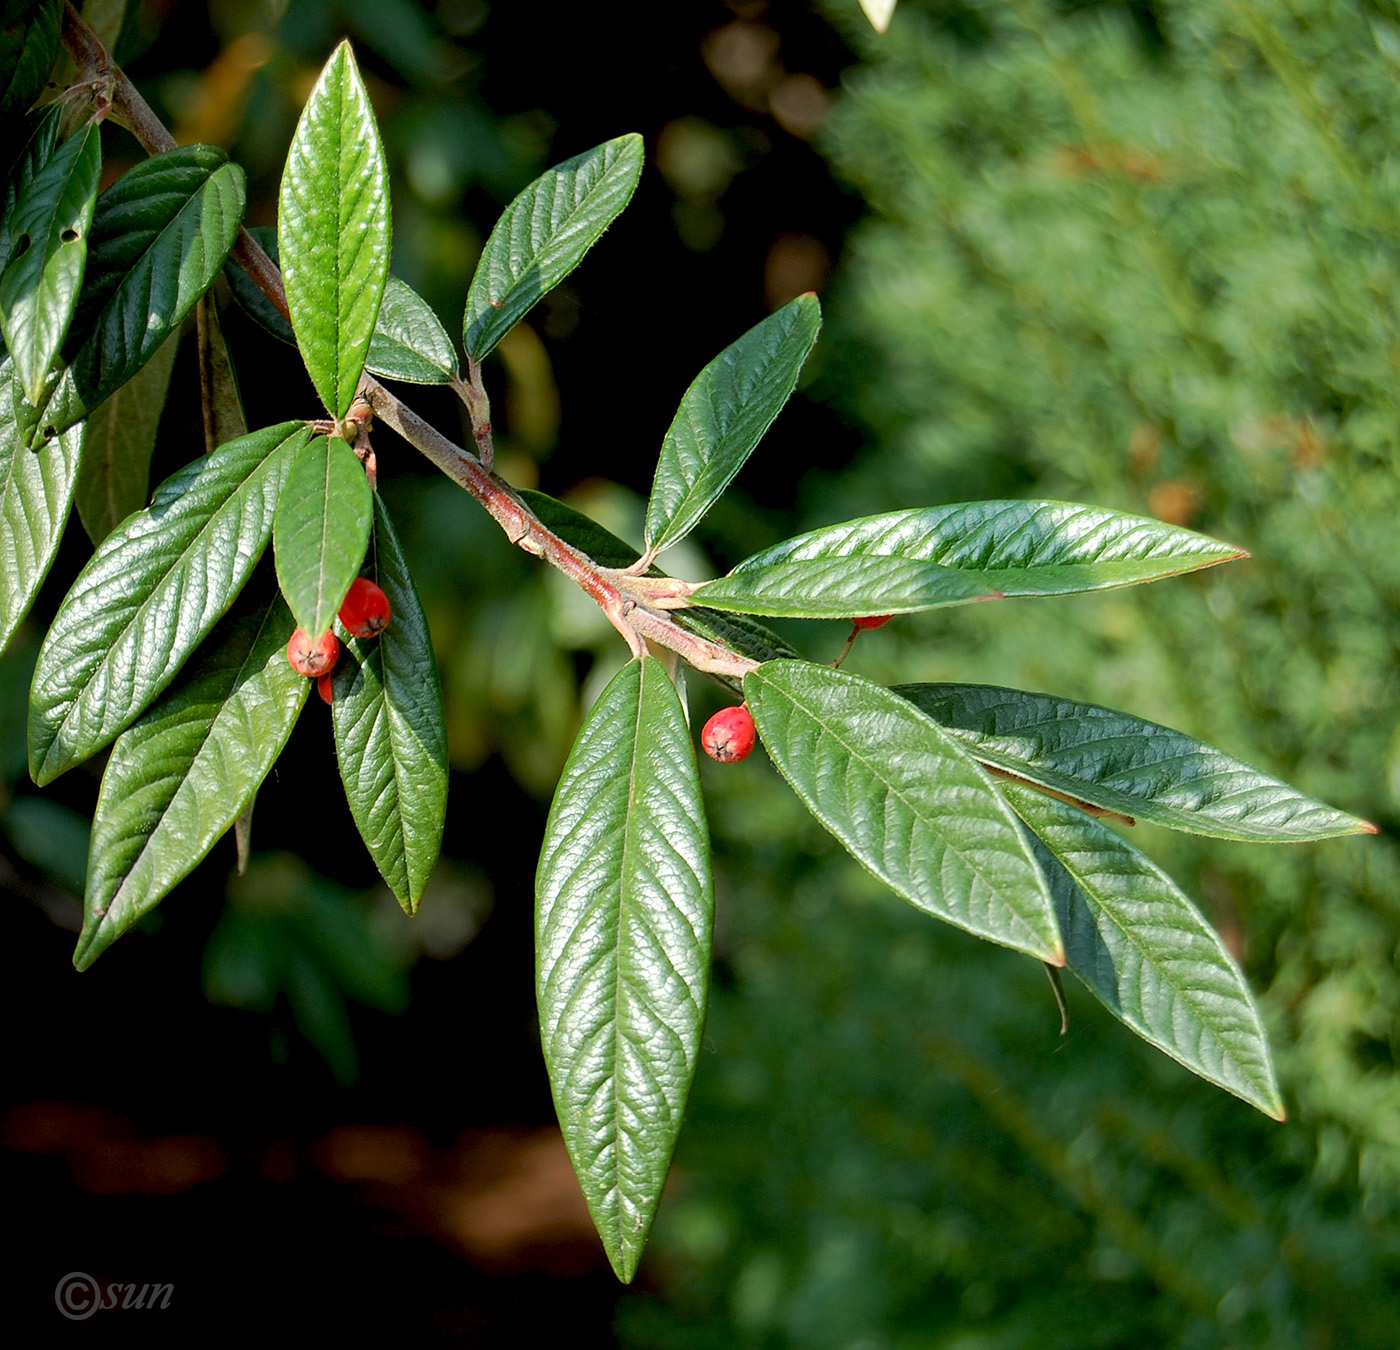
[[39, 289], [391, 731], [115, 476], [623, 930], [1147, 954], [723, 415], [543, 236], [1125, 764], [333, 229], [1017, 548], [220, 401], [179, 777], [409, 343], [906, 799], [150, 594], [36, 491], [322, 529], [28, 45], [842, 587]]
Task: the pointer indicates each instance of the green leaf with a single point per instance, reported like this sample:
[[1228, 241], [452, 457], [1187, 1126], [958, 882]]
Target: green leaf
[[333, 228], [115, 476], [178, 778], [43, 127], [907, 801], [36, 490], [160, 235], [409, 343], [391, 731], [222, 405], [1125, 764], [623, 930], [745, 635], [249, 295], [322, 530], [149, 595], [841, 587], [39, 289], [1017, 548], [1146, 953], [722, 417], [543, 236], [28, 45]]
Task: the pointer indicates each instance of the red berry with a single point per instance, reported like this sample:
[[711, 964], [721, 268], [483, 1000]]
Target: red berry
[[366, 611], [872, 620], [313, 658], [729, 735], [325, 686]]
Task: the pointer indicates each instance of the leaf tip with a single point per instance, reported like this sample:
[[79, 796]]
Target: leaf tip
[[1366, 827], [1057, 957]]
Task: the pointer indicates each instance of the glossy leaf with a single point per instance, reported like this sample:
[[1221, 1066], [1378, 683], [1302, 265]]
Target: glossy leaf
[[623, 931], [391, 731], [179, 777], [28, 45], [41, 128], [409, 343], [722, 417], [36, 491], [333, 228], [907, 801], [322, 530], [1125, 764], [150, 594], [1147, 954], [50, 224], [842, 587], [115, 476], [1017, 548], [543, 236]]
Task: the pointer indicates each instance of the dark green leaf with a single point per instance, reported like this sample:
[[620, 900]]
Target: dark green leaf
[[1124, 764], [333, 228], [36, 490], [722, 417], [322, 530], [1147, 954], [249, 295], [42, 136], [409, 342], [745, 635], [28, 45], [907, 801], [222, 405], [391, 731], [149, 595], [543, 236], [623, 930], [178, 778]]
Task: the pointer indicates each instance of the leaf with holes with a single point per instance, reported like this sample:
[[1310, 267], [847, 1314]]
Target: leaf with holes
[[1146, 953], [722, 417], [179, 777], [623, 931], [322, 529], [906, 799], [391, 731], [409, 343], [333, 230], [1125, 764], [40, 130], [150, 594], [543, 235]]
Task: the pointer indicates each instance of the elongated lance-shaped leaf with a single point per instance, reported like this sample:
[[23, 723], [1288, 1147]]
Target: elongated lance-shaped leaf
[[1017, 548], [333, 228], [39, 288], [409, 343], [28, 44], [160, 234], [41, 131], [723, 415], [391, 731], [115, 476], [222, 405], [181, 775], [906, 799], [1146, 952], [1125, 764], [843, 588], [623, 931], [543, 236], [322, 530], [36, 491], [149, 595]]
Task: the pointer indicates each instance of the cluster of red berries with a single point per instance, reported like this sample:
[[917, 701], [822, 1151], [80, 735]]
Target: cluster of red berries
[[364, 613]]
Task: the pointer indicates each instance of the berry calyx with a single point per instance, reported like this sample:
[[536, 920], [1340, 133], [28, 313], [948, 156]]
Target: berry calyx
[[325, 686], [313, 657], [872, 621], [729, 735], [365, 611]]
